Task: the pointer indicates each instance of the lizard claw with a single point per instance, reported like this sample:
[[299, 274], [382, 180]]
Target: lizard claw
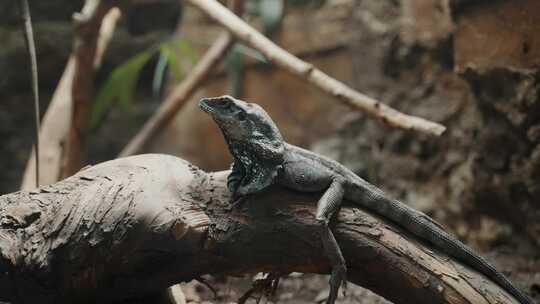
[[265, 285], [237, 201], [337, 278]]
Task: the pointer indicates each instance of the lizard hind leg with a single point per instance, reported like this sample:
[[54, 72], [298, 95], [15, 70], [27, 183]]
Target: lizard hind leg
[[328, 204]]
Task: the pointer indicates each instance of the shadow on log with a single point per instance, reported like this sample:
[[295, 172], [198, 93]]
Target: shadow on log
[[129, 228]]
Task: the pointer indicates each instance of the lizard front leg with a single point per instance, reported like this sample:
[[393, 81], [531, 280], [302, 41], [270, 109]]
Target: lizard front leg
[[328, 204], [235, 178]]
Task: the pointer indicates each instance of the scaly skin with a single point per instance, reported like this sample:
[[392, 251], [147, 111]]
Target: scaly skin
[[263, 158]]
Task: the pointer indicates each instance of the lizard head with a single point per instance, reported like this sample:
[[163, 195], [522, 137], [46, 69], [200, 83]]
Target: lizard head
[[242, 122], [231, 115], [252, 137]]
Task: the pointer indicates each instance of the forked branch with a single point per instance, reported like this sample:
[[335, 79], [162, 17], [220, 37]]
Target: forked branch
[[180, 94], [57, 118], [183, 91], [87, 32], [312, 74]]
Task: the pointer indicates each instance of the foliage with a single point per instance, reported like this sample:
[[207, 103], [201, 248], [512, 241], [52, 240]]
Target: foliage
[[271, 14], [271, 11], [120, 86], [306, 2]]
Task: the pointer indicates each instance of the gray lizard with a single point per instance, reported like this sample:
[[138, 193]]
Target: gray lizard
[[262, 158]]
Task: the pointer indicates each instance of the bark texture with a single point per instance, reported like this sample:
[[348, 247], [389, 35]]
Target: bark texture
[[131, 227]]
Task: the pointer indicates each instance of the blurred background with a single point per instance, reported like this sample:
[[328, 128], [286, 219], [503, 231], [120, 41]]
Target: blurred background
[[472, 66]]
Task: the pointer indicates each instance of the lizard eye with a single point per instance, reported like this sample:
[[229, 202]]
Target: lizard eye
[[242, 116]]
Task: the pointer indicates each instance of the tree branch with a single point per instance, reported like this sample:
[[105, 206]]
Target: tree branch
[[180, 94], [57, 118], [31, 47], [294, 65], [134, 226], [87, 30]]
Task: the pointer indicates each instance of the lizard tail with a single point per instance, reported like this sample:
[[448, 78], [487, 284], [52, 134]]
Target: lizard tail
[[419, 224], [461, 252]]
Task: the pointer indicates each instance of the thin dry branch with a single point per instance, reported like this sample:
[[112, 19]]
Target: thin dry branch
[[133, 226], [180, 94], [57, 118], [87, 30], [293, 64], [31, 47]]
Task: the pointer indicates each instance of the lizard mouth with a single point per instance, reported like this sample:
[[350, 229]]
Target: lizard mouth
[[205, 107], [210, 105]]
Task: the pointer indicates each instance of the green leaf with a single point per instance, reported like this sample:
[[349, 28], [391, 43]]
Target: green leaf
[[252, 7], [119, 87], [187, 51], [271, 12], [159, 73], [169, 57], [250, 52], [234, 67], [172, 60]]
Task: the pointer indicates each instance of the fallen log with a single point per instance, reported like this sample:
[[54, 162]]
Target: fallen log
[[131, 227]]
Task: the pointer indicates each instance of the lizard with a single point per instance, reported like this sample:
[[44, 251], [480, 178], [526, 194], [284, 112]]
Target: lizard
[[262, 158]]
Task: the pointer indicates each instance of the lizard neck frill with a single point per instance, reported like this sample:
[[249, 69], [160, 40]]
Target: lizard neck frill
[[260, 170]]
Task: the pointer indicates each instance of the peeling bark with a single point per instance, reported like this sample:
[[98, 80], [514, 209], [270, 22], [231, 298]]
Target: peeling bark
[[131, 227]]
